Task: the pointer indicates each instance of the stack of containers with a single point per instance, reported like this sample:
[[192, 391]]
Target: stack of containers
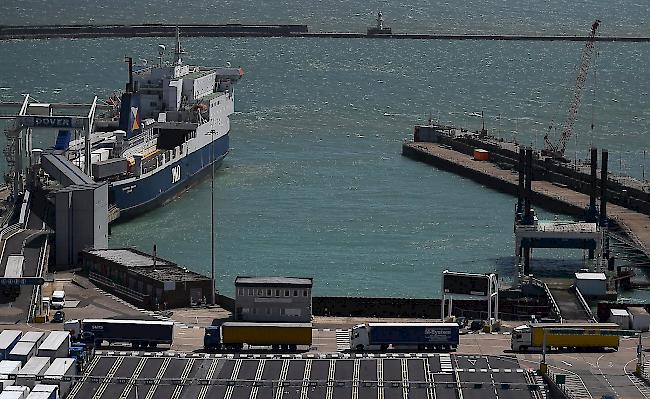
[[8, 339], [7, 368], [33, 369], [60, 368]]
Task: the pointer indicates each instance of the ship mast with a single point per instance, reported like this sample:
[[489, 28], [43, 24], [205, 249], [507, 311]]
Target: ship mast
[[179, 50]]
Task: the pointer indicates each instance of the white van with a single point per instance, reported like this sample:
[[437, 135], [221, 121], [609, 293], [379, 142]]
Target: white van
[[58, 300]]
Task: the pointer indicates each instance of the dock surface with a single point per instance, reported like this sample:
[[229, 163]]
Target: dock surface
[[545, 194]]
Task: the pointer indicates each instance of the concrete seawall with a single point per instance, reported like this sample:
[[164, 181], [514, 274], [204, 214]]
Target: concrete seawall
[[260, 30]]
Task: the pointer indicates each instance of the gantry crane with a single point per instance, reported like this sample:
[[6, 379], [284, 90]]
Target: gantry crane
[[556, 150]]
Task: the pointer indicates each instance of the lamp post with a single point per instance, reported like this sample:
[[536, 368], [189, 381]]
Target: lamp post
[[212, 290]]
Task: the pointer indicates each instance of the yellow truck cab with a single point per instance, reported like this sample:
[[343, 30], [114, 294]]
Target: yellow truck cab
[[578, 335]]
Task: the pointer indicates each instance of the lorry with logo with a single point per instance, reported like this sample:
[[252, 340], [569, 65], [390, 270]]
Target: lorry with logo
[[564, 335], [139, 333], [404, 336]]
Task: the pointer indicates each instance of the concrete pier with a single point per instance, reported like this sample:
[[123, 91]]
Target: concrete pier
[[547, 195]]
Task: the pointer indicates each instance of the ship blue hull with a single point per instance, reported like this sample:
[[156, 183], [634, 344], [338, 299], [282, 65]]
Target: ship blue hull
[[144, 194]]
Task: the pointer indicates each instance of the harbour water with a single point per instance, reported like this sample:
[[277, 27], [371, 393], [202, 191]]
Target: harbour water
[[315, 184]]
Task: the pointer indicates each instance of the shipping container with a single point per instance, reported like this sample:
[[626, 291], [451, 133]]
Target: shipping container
[[279, 335], [34, 336], [6, 383], [137, 332], [55, 375], [57, 344], [110, 167], [579, 335], [22, 351], [481, 155], [420, 336], [639, 319], [32, 370], [8, 339], [621, 317]]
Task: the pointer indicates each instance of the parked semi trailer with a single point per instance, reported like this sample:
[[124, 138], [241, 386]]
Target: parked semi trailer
[[139, 333], [577, 335], [234, 335], [419, 336]]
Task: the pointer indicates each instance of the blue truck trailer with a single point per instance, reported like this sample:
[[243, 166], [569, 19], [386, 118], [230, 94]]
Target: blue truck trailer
[[404, 336], [139, 333]]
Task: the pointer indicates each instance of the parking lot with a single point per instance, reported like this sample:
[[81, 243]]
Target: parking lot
[[148, 375]]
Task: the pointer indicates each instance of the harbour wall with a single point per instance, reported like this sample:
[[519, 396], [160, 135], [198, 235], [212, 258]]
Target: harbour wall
[[260, 30]]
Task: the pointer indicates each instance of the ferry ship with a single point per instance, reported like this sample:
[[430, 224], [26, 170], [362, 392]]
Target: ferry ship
[[173, 127]]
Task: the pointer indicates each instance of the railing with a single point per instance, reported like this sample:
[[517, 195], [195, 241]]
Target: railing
[[118, 288], [585, 305], [556, 308], [575, 389], [36, 291]]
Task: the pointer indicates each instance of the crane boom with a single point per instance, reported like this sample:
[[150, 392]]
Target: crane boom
[[557, 150]]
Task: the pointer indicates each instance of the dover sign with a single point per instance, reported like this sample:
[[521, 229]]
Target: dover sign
[[55, 122]]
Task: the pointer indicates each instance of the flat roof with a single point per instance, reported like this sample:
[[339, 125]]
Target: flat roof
[[591, 276], [59, 367], [128, 257], [23, 348], [619, 312], [54, 340], [32, 336], [122, 321], [274, 281], [9, 366], [143, 263], [35, 365], [8, 337]]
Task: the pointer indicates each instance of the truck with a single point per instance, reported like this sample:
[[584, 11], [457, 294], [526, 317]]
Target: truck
[[411, 336], [233, 335], [57, 344], [577, 336], [81, 354], [12, 276], [8, 339], [139, 333], [58, 300]]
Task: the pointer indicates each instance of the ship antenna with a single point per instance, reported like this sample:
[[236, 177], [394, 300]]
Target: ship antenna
[[179, 50]]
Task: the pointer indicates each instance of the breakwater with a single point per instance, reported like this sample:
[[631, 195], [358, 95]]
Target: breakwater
[[262, 30]]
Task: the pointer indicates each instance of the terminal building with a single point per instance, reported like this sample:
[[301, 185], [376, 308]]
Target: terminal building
[[273, 299], [145, 280]]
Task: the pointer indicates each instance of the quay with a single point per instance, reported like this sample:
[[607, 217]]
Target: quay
[[9, 32], [548, 195]]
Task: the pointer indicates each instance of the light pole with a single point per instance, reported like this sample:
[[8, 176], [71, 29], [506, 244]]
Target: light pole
[[212, 291]]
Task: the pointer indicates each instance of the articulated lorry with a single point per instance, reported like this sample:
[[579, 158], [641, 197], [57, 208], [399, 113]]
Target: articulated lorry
[[234, 335], [410, 336], [577, 336], [139, 333]]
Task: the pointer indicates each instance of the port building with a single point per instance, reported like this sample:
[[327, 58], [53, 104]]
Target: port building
[[145, 280], [273, 299]]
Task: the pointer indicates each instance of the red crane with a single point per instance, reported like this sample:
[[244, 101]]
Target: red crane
[[554, 150]]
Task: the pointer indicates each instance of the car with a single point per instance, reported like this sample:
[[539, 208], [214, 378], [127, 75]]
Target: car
[[59, 316]]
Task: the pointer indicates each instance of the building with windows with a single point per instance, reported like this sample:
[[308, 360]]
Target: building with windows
[[271, 299], [145, 280]]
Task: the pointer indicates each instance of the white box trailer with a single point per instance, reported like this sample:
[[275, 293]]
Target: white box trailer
[[8, 339], [34, 336], [620, 317], [639, 319], [12, 395], [20, 389], [51, 390], [9, 367], [32, 371], [41, 395], [57, 344], [60, 368], [23, 351], [6, 383]]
